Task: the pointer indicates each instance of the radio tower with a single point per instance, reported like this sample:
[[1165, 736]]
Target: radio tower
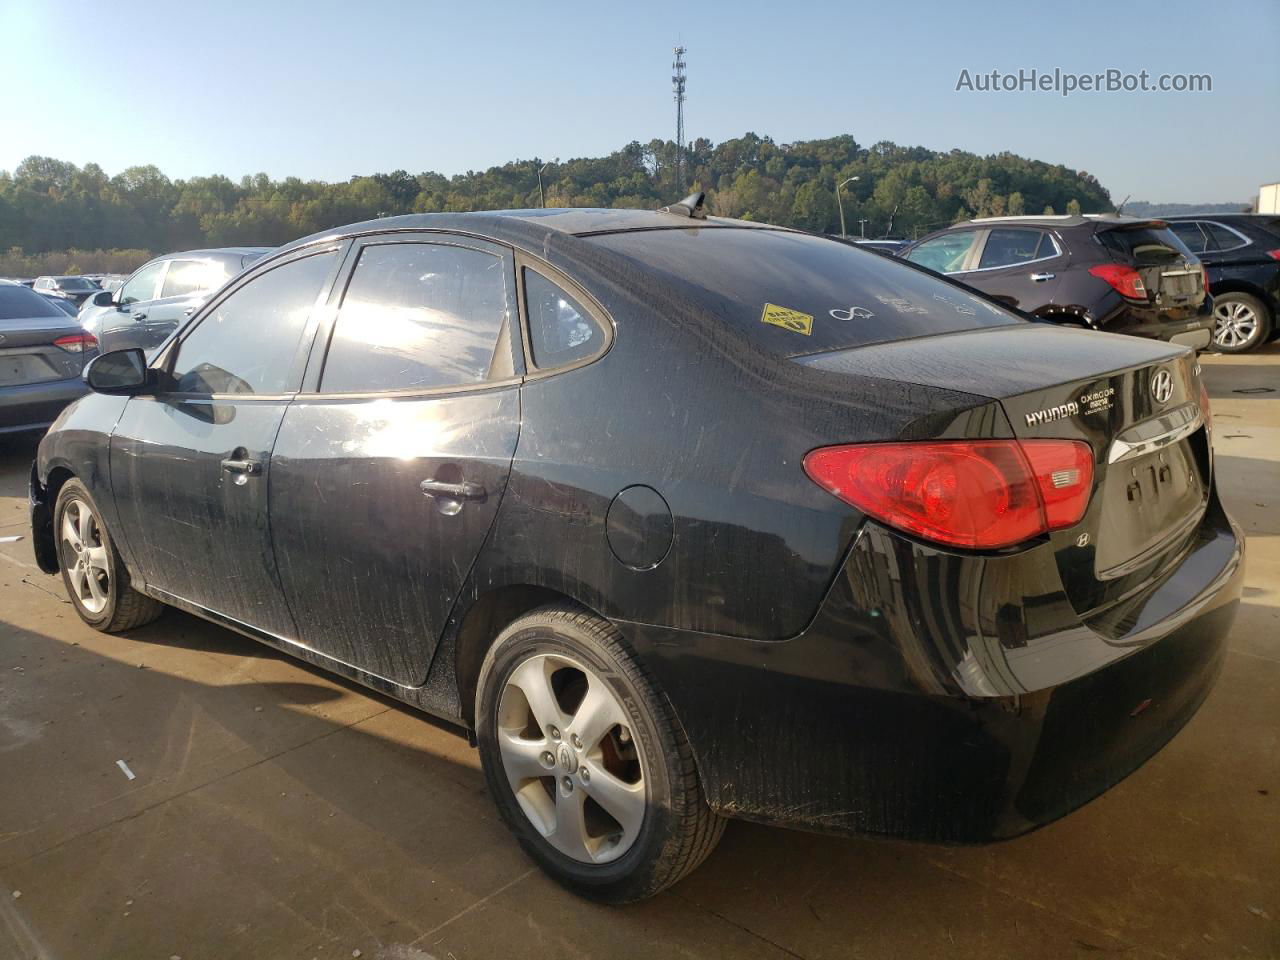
[[677, 85]]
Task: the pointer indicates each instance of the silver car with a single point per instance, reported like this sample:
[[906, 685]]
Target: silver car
[[161, 294]]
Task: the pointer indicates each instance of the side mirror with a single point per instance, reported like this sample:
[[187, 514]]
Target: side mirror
[[121, 372], [103, 298]]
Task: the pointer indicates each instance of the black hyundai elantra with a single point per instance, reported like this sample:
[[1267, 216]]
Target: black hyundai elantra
[[681, 518]]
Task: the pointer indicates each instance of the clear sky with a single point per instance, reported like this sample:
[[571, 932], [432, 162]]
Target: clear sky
[[324, 89]]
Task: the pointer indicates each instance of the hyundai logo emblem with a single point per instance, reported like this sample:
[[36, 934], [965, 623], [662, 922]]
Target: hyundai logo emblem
[[1162, 386]]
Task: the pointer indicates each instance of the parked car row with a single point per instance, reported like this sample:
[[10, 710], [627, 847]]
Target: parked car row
[[1206, 282], [684, 518]]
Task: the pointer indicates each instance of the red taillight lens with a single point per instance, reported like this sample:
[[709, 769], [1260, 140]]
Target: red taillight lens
[[1204, 407], [1125, 280], [77, 342], [1274, 254], [1204, 277], [966, 493]]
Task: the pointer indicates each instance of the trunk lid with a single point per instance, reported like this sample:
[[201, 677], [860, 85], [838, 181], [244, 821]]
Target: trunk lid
[[1135, 402], [28, 354], [1172, 277]]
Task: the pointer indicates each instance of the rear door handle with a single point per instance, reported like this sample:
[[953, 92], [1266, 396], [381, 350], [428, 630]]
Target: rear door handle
[[139, 315], [1041, 277], [250, 467], [466, 490], [189, 311]]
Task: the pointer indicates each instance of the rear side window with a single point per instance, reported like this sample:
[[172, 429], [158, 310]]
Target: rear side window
[[1005, 248], [561, 331], [1147, 246], [944, 254], [249, 343], [1189, 233], [792, 293], [1224, 238], [417, 316], [191, 276], [21, 303]]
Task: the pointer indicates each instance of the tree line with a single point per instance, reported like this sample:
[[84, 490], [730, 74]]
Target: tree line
[[50, 206]]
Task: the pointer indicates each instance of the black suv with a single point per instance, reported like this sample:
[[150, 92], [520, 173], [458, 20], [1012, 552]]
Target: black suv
[[1119, 274], [1241, 251]]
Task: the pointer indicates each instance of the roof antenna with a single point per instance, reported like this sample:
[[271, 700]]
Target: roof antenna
[[1120, 209], [693, 206]]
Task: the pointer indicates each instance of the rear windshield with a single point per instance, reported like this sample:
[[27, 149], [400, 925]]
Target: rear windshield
[[20, 303], [1145, 245], [75, 283], [793, 293]]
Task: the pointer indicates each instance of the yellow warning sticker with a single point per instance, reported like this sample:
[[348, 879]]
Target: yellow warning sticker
[[788, 319]]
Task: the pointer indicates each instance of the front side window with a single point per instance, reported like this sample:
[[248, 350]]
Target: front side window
[[44, 284], [141, 287], [1189, 233], [1005, 248], [945, 254], [417, 316], [248, 343], [561, 331]]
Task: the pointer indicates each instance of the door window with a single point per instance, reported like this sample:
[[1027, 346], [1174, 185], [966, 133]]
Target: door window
[[945, 254], [1005, 248], [1189, 233], [561, 331], [142, 285], [248, 343], [418, 316], [186, 277], [1224, 238]]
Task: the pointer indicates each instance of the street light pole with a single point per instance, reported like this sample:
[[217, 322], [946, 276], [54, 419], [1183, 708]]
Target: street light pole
[[840, 203]]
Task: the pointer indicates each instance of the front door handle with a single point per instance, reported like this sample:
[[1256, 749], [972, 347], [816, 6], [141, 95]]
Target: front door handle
[[1041, 277], [139, 315], [466, 490], [189, 311], [248, 467]]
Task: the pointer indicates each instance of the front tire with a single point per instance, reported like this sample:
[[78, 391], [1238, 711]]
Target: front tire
[[92, 571], [586, 761], [1240, 322]]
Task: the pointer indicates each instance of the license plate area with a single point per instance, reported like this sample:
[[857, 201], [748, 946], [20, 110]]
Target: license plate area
[[1147, 501], [18, 369]]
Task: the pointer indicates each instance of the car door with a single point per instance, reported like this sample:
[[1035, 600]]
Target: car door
[[190, 463], [387, 475], [1019, 265], [123, 325]]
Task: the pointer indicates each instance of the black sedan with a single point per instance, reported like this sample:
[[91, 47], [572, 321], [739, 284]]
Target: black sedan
[[682, 518]]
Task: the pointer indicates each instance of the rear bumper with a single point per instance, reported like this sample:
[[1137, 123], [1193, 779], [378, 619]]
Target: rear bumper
[[917, 707], [1196, 332], [34, 406]]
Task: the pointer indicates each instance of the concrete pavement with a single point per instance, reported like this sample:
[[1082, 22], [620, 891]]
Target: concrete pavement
[[278, 812]]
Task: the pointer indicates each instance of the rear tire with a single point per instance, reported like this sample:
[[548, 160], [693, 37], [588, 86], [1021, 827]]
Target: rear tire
[[644, 822], [93, 573], [1240, 323]]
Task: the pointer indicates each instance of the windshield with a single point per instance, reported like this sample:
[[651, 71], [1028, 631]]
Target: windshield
[[20, 303], [795, 293]]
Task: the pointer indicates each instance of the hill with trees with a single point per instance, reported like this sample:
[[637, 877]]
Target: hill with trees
[[51, 206]]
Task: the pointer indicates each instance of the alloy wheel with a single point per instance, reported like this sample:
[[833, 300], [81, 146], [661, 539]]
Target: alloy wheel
[[1235, 324], [85, 556], [570, 757]]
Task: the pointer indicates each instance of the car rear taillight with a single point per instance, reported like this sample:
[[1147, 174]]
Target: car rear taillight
[[1204, 407], [1126, 281], [1204, 277], [1274, 254], [981, 494], [77, 342]]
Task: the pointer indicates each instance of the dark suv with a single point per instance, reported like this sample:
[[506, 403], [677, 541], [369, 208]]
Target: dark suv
[[1119, 274], [1241, 251]]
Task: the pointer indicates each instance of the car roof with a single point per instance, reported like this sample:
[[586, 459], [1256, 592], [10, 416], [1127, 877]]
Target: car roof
[[530, 228], [230, 251], [1061, 220], [1221, 216]]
